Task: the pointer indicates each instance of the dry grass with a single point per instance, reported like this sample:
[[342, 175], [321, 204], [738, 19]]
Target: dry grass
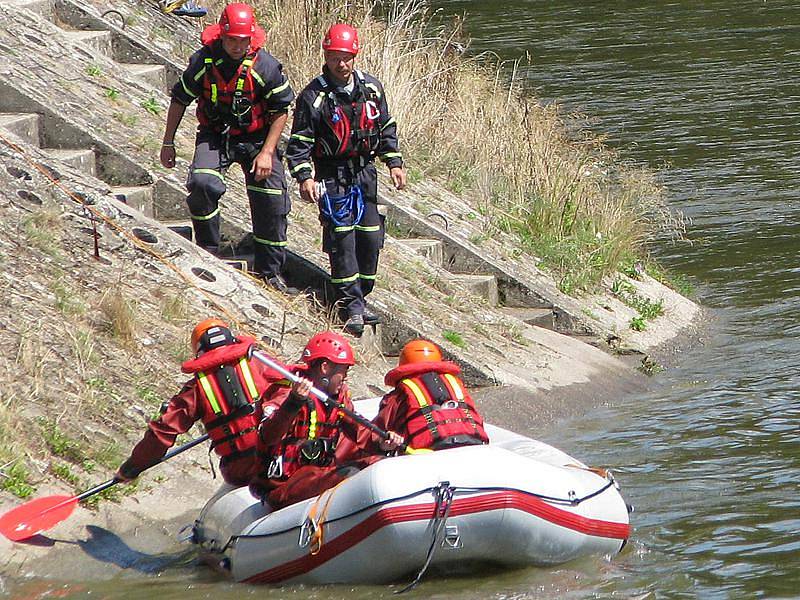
[[566, 198], [120, 315]]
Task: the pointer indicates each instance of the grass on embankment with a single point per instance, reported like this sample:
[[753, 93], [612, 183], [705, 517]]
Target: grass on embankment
[[567, 199]]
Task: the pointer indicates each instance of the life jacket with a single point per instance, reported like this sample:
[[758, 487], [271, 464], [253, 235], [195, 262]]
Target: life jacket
[[232, 103], [439, 412], [311, 440], [354, 125], [228, 391]]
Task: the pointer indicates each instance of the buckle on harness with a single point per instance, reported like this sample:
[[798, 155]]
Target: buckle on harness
[[315, 452], [275, 469]]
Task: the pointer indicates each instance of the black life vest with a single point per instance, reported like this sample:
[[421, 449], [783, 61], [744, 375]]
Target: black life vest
[[353, 126]]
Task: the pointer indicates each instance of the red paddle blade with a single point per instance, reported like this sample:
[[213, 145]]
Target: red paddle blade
[[36, 516]]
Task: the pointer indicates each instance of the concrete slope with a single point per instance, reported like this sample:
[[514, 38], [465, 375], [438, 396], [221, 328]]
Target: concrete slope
[[87, 100]]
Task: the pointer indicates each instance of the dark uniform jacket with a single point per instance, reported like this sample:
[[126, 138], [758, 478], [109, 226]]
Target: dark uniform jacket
[[313, 137]]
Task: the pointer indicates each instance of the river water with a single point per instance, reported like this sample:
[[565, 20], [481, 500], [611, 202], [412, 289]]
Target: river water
[[711, 458]]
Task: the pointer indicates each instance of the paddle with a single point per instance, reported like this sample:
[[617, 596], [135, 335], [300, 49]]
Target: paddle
[[360, 419], [41, 514]]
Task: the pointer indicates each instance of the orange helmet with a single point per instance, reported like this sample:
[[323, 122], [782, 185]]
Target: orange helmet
[[237, 20], [417, 351], [329, 345], [342, 38], [208, 334]]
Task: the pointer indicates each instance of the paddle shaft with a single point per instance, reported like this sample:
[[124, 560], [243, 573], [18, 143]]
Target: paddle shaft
[[361, 420], [112, 482]]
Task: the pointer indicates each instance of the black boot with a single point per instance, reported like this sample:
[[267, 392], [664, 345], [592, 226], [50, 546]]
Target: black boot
[[355, 325], [371, 318], [279, 283]]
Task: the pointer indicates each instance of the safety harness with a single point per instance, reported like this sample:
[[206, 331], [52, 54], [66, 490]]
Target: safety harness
[[354, 124], [311, 440], [231, 106]]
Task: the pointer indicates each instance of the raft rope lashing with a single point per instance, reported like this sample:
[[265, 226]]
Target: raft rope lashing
[[468, 490], [312, 531], [443, 493]]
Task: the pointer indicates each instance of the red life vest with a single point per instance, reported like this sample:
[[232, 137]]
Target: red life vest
[[439, 412], [226, 386], [354, 125], [231, 103], [311, 440]]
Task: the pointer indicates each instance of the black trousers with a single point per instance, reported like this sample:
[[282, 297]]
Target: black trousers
[[352, 250], [269, 199]]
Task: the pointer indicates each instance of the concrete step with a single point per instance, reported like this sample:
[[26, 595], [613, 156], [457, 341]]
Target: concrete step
[[139, 197], [240, 264], [541, 317], [97, 40], [23, 125], [484, 286], [432, 250], [78, 158], [183, 228], [153, 75]]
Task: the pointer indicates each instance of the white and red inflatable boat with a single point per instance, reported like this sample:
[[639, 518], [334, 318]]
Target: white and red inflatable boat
[[513, 502]]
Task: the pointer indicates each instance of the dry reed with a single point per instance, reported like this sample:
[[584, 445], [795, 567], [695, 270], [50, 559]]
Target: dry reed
[[464, 120]]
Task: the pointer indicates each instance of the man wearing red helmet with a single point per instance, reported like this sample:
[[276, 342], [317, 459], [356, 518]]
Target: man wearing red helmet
[[429, 407], [299, 435], [341, 122], [242, 106], [224, 393]]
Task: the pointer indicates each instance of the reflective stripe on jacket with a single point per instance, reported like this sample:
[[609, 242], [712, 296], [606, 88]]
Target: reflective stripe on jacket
[[229, 394]]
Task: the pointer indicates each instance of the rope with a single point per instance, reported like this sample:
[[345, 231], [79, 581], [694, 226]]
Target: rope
[[343, 211], [317, 535], [551, 499], [441, 510]]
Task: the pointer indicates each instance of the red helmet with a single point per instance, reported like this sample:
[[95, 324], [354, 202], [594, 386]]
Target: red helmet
[[417, 351], [237, 20], [328, 345], [342, 38]]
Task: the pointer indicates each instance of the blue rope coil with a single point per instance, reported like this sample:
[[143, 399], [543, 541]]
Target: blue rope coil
[[343, 211]]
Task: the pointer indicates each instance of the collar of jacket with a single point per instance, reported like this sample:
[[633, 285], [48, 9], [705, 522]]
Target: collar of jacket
[[416, 369], [219, 356]]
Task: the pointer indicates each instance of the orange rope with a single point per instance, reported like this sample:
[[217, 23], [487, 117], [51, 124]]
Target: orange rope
[[317, 537]]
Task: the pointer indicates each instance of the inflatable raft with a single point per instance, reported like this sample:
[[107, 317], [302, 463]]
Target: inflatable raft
[[514, 502]]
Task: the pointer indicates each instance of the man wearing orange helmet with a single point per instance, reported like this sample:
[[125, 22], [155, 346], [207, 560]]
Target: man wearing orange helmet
[[299, 435], [242, 106], [429, 406], [341, 122], [224, 393]]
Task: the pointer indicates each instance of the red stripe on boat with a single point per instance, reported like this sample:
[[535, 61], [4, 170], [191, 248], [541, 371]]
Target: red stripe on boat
[[419, 512]]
